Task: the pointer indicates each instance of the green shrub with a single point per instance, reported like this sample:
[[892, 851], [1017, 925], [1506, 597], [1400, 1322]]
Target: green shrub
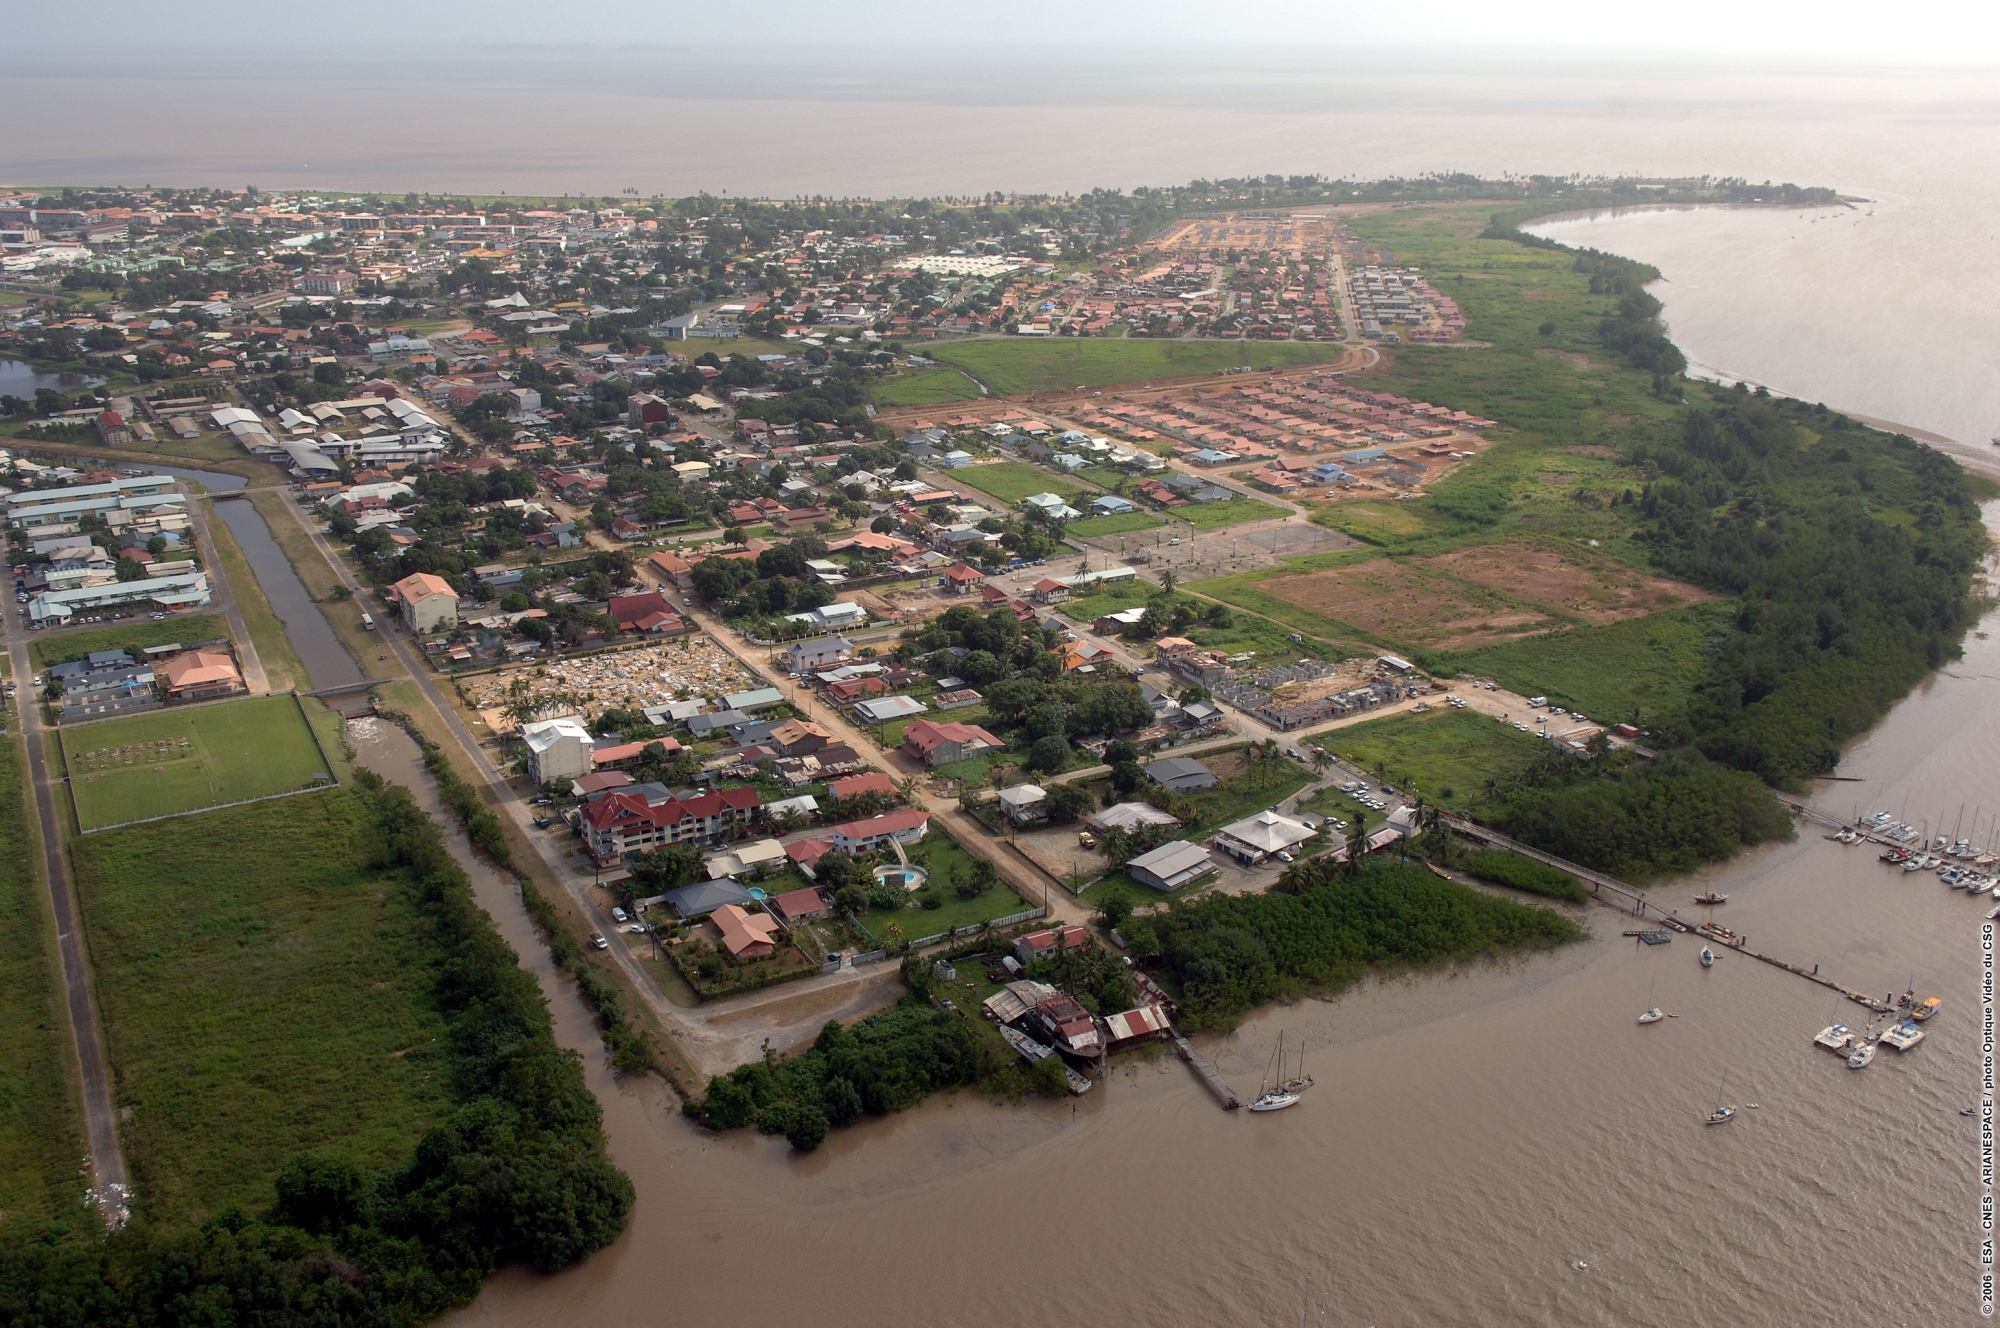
[[1504, 868]]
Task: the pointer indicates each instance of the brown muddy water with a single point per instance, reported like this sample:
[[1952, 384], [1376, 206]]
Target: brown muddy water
[[1477, 1133]]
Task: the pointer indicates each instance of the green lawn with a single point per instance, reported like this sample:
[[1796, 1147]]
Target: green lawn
[[1011, 481], [133, 635], [1120, 885], [1215, 516], [931, 387], [936, 854], [41, 1136], [1121, 524], [165, 762], [1034, 364], [264, 993], [1448, 755], [1243, 633], [1238, 798]]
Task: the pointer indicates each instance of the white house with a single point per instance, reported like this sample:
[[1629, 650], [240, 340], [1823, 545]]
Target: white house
[[812, 656]]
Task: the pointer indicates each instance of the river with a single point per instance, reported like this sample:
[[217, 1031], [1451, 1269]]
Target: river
[[1476, 1133], [326, 661]]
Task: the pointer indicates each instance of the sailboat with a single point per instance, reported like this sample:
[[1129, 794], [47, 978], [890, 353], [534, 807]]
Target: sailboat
[[1286, 1092], [1724, 1110], [1653, 1015]]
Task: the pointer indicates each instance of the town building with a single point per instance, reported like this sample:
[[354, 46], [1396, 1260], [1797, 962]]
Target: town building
[[428, 603], [627, 821], [1255, 838], [1171, 866], [745, 935], [1024, 804], [902, 827], [180, 590], [199, 675], [557, 749], [1182, 774], [819, 653]]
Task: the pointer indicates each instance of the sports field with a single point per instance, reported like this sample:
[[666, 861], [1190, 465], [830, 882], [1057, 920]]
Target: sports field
[[166, 762]]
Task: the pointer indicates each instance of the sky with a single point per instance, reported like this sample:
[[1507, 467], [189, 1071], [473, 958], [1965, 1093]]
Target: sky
[[1926, 32]]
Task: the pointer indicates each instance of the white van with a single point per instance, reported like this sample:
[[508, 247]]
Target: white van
[[1537, 702]]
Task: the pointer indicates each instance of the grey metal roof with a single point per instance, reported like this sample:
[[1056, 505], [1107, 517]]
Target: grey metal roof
[[693, 901]]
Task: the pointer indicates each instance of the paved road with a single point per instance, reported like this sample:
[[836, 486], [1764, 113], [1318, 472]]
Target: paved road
[[107, 1162]]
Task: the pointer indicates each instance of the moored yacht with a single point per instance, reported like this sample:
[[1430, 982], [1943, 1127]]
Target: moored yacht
[[1859, 1058], [1834, 1037], [1903, 1036]]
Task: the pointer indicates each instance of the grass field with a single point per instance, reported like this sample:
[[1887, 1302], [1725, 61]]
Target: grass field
[[41, 1137], [931, 387], [264, 994], [135, 634], [1215, 516], [1121, 524], [165, 762], [1011, 481], [1447, 754], [1014, 365]]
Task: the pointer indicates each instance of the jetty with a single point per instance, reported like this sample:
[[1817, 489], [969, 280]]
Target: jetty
[[1617, 894], [1205, 1071]]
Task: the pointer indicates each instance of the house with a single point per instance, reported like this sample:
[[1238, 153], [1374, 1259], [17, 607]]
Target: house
[[428, 602], [1024, 803], [796, 737], [849, 690], [754, 859], [1050, 591], [959, 578], [853, 786], [557, 749], [629, 611], [799, 905], [884, 709], [597, 782], [941, 744], [812, 656], [1182, 774], [1081, 656], [1111, 504], [1171, 866], [694, 901], [111, 427], [903, 827], [1038, 943], [199, 675], [1255, 838], [956, 700], [745, 935], [1051, 506], [1111, 624]]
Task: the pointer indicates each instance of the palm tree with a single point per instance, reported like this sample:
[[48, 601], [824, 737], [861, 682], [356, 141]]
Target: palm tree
[[1320, 760], [908, 786], [1357, 843], [1167, 580]]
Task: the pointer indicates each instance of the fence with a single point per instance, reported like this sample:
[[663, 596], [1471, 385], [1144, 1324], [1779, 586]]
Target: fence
[[971, 928]]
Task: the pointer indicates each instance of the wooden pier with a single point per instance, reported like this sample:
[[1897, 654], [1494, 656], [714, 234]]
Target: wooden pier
[[1206, 1072], [1614, 893]]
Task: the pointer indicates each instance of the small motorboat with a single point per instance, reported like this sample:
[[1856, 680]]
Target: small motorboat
[[1711, 898], [1968, 1111], [1926, 1008], [1707, 956], [1862, 1054], [1653, 1016], [1720, 1115]]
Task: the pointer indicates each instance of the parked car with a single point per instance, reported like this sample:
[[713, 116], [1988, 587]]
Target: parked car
[[540, 800], [1282, 855], [597, 941], [619, 915]]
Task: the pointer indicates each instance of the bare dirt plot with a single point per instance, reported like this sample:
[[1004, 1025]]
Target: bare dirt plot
[[1597, 590], [1407, 601]]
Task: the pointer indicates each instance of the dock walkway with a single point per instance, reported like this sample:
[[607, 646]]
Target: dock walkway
[[1205, 1071], [1611, 891]]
